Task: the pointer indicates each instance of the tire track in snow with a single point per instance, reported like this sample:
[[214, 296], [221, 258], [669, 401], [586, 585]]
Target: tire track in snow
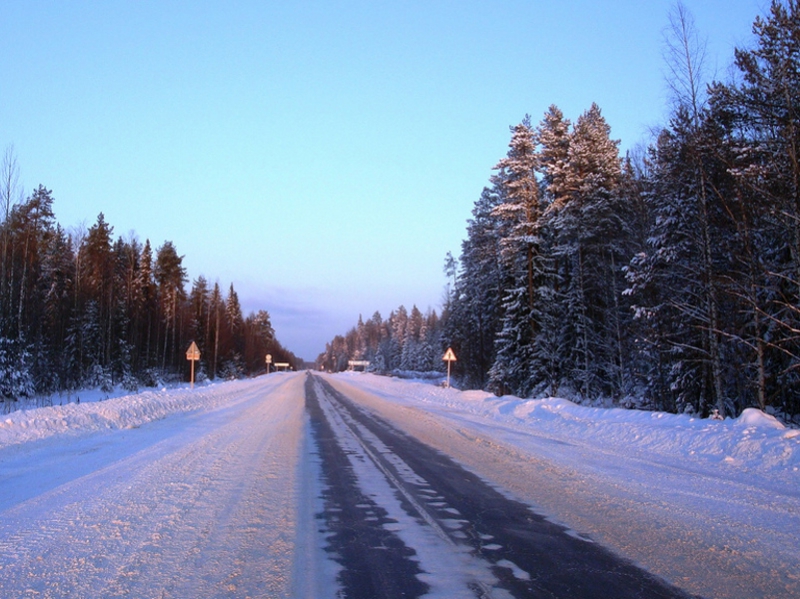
[[208, 512], [376, 563], [642, 512], [447, 565], [528, 555]]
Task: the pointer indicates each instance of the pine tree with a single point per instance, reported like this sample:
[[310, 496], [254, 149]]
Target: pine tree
[[97, 266], [145, 317], [686, 274], [170, 277], [215, 311], [398, 324], [761, 112], [15, 379], [57, 278], [549, 368], [127, 253], [520, 252], [410, 356], [588, 237], [30, 224], [553, 136], [473, 317], [235, 340], [198, 314], [259, 340]]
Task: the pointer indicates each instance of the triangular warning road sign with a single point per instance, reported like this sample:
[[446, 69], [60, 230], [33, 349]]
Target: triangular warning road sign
[[193, 353], [449, 356]]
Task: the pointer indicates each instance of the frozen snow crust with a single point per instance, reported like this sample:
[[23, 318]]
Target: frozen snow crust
[[127, 411], [754, 442]]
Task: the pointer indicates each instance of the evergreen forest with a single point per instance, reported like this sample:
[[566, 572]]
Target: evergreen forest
[[667, 278], [405, 341], [86, 310]]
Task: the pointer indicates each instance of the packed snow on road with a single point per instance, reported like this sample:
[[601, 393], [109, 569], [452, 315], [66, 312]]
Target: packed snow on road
[[218, 491]]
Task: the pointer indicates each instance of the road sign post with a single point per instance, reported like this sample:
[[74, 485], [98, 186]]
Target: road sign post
[[269, 361], [193, 354], [449, 356]]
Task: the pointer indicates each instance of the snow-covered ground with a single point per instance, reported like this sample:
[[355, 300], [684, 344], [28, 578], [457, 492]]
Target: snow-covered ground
[[712, 506], [158, 494], [753, 444], [96, 411], [204, 493]]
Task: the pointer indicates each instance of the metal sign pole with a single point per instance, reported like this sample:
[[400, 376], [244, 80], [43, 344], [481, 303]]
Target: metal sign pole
[[449, 356], [193, 354]]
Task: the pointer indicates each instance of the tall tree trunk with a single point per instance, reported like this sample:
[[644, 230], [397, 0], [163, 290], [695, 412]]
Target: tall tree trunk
[[216, 342], [21, 305], [712, 305], [9, 183], [584, 323], [617, 326]]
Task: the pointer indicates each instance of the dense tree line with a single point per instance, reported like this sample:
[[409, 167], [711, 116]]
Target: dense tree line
[[666, 280], [673, 277], [408, 341], [85, 309]]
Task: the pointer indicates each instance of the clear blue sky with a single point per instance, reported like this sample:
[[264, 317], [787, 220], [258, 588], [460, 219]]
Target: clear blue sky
[[322, 156]]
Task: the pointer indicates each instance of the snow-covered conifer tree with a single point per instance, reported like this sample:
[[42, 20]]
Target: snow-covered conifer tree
[[473, 319], [588, 229], [520, 252]]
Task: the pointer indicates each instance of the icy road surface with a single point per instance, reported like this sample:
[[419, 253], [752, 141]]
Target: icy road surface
[[407, 521], [362, 486]]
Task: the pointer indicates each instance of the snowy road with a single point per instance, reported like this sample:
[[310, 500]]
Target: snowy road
[[451, 529], [361, 486], [713, 507], [198, 505]]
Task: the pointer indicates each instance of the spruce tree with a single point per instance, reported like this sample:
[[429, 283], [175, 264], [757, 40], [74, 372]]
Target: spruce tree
[[588, 249], [520, 252], [474, 314]]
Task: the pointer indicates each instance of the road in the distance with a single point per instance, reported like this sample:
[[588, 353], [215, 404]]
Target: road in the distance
[[399, 514]]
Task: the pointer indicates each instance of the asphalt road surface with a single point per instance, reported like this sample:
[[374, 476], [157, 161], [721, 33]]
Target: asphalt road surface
[[436, 520]]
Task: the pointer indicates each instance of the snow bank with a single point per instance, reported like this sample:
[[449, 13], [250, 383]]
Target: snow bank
[[127, 411], [711, 505], [754, 442]]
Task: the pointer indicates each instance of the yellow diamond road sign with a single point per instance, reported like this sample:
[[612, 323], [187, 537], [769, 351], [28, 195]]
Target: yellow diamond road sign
[[449, 356]]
